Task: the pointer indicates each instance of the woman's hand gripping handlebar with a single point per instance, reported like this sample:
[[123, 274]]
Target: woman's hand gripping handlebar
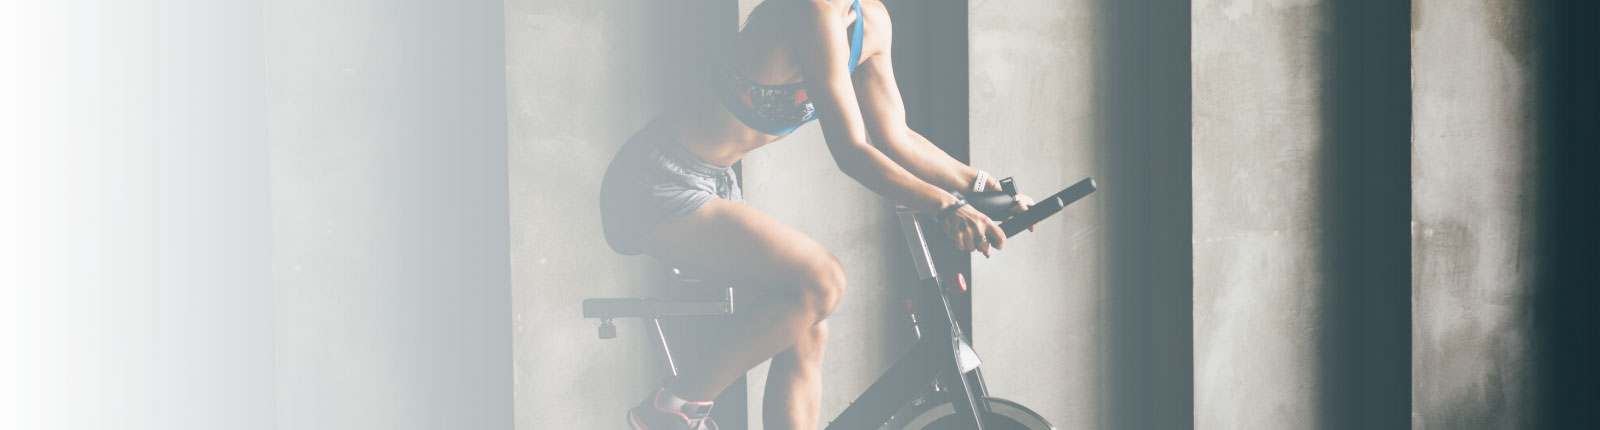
[[970, 223], [973, 225], [1047, 207]]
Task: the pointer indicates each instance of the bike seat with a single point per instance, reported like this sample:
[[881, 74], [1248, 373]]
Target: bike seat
[[690, 297], [681, 285]]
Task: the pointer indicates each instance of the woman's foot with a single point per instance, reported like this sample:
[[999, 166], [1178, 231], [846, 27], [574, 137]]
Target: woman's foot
[[663, 411]]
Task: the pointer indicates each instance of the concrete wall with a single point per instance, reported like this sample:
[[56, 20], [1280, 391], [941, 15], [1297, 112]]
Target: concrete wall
[[1257, 261], [1098, 301], [1301, 124], [1503, 246], [386, 121], [381, 214], [572, 102], [1037, 306], [1471, 248]]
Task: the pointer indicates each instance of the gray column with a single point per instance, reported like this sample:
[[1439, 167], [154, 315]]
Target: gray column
[[1472, 172], [1301, 130], [1038, 308], [1503, 231], [576, 87], [1257, 242]]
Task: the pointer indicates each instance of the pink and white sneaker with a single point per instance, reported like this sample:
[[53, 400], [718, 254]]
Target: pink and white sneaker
[[651, 414]]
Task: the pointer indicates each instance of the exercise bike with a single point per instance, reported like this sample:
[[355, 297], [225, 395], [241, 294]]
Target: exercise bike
[[937, 384]]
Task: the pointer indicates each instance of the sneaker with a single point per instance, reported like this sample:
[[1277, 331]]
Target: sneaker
[[649, 415]]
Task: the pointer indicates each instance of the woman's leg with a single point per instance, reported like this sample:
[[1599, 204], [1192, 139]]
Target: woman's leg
[[794, 383], [736, 244]]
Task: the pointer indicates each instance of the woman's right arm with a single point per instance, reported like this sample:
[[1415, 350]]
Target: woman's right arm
[[824, 54]]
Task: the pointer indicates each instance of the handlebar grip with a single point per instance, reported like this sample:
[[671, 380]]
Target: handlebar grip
[[994, 204], [1045, 208]]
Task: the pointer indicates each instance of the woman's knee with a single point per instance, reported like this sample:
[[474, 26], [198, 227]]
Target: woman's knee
[[817, 337], [824, 285], [809, 349]]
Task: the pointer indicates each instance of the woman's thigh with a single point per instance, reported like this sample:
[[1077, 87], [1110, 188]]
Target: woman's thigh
[[735, 244]]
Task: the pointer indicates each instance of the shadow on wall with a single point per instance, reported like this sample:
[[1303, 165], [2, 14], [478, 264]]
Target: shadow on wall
[[1365, 345], [1142, 91], [1566, 381], [685, 45]]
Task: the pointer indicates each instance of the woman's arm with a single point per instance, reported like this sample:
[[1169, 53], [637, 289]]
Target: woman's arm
[[824, 54], [885, 115]]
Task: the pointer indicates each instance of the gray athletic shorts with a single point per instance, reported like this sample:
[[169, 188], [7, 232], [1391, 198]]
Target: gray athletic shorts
[[653, 180]]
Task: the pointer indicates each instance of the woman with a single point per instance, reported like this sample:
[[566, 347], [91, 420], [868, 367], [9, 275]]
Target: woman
[[670, 193]]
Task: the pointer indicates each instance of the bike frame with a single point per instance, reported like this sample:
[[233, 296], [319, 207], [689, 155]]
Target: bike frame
[[942, 360], [941, 355]]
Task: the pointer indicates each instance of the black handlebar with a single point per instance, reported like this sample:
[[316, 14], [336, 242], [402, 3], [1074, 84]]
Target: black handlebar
[[994, 204], [997, 204]]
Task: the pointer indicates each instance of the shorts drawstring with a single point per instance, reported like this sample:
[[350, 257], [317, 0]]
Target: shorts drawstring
[[726, 184]]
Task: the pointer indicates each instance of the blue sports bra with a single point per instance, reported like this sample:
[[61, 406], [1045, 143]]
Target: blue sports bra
[[776, 109]]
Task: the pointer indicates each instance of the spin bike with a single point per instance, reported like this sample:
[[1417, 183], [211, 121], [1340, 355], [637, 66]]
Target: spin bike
[[936, 385]]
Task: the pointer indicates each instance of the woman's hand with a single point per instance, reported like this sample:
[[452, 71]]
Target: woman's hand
[[1023, 203], [972, 230]]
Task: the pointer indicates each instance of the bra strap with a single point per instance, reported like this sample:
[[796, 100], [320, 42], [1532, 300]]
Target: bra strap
[[855, 38]]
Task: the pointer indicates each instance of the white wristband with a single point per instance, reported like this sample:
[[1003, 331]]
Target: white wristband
[[981, 182]]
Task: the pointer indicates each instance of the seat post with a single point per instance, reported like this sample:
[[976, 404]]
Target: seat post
[[666, 350], [651, 310]]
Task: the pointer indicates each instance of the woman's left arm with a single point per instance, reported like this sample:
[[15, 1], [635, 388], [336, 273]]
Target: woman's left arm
[[885, 114]]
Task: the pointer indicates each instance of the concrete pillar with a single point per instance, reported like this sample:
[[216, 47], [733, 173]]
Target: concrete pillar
[[1257, 239], [1472, 245], [1503, 231], [387, 126], [1301, 127], [1037, 306]]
